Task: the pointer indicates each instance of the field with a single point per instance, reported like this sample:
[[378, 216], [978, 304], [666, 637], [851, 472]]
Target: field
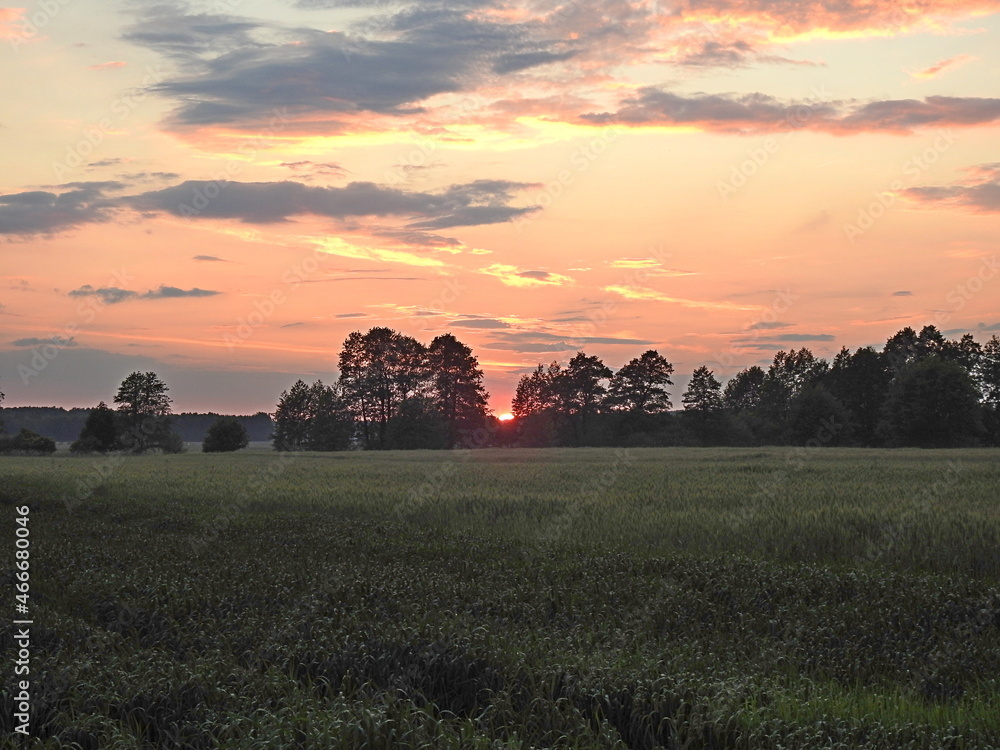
[[588, 598]]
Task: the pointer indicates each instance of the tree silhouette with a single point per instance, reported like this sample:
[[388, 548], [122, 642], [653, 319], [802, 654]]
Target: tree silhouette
[[639, 386], [144, 414], [704, 393], [99, 433], [226, 434], [457, 384]]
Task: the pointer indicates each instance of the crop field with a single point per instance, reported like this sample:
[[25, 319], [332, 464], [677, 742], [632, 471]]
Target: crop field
[[584, 598]]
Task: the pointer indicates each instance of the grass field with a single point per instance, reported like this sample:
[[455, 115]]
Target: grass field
[[587, 598]]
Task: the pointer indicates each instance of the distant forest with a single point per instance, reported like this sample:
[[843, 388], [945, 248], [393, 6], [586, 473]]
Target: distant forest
[[393, 392], [65, 425]]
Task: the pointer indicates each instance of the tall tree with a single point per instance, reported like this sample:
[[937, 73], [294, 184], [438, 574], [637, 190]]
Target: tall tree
[[860, 382], [99, 433], [580, 390], [987, 372], [933, 402], [330, 425], [704, 393], [743, 392], [378, 371], [457, 384], [534, 393], [144, 414], [291, 418], [640, 385], [901, 348]]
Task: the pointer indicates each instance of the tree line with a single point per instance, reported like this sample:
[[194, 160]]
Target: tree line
[[393, 392], [920, 389]]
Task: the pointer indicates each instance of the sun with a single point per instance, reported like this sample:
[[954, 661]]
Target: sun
[[505, 417]]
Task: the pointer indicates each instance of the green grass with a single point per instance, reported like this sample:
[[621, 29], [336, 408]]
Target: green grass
[[724, 598]]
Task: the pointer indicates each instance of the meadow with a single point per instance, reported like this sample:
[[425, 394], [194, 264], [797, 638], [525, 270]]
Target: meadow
[[564, 598]]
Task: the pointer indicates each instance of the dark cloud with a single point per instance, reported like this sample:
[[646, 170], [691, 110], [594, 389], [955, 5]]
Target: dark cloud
[[42, 212], [474, 203], [766, 326], [542, 341], [902, 293], [238, 71], [291, 325], [539, 275], [108, 295], [53, 340], [105, 163], [480, 323], [980, 193], [762, 113], [768, 342], [351, 315], [554, 346], [173, 292], [114, 295], [209, 258], [993, 327], [523, 60]]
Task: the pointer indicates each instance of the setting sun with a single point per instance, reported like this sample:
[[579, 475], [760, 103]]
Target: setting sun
[[505, 417]]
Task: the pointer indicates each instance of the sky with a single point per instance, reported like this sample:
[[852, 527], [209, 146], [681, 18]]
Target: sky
[[222, 191]]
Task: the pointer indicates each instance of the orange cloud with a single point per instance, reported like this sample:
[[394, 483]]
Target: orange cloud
[[943, 66], [642, 293], [514, 276]]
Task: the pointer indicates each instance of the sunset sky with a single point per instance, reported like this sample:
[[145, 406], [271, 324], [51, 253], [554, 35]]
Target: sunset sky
[[221, 192]]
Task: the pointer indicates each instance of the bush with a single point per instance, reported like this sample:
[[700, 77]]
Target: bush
[[27, 442], [226, 434]]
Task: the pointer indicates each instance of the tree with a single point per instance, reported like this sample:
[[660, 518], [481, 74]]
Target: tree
[[933, 403], [329, 419], [987, 372], [417, 423], [378, 371], [817, 418], [704, 393], [533, 394], [225, 435], [457, 386], [27, 442], [291, 419], [860, 382], [99, 433], [744, 391], [1, 418], [639, 386], [312, 418], [144, 414], [579, 390]]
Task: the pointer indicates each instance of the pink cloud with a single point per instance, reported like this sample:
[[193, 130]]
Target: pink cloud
[[107, 65], [943, 66]]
